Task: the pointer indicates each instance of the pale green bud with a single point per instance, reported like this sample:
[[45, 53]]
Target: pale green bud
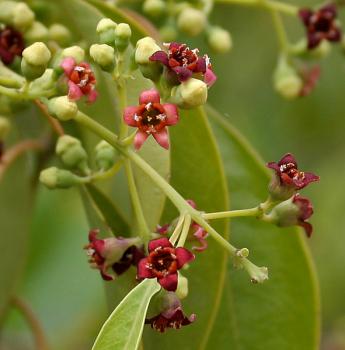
[[301, 49], [123, 35], [58, 178], [75, 52], [190, 94], [322, 50], [103, 55], [106, 31], [191, 21], [286, 80], [23, 17], [60, 34], [36, 32], [7, 11], [219, 40], [154, 8], [5, 127], [62, 108], [284, 214], [182, 287], [45, 82], [71, 152], [105, 155]]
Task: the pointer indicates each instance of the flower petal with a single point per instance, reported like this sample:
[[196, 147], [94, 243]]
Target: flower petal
[[169, 282], [288, 158], [183, 73], [143, 270], [209, 77], [308, 228], [200, 65], [92, 96], [68, 65], [183, 256], [162, 137], [74, 91], [310, 177], [128, 115], [160, 242], [171, 112], [139, 139], [160, 56], [305, 15], [148, 96]]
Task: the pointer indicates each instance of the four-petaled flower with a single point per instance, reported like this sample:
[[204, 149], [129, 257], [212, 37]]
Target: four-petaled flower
[[151, 118], [182, 63], [117, 254], [163, 262], [11, 44], [305, 212], [172, 317], [81, 80], [287, 171], [320, 25]]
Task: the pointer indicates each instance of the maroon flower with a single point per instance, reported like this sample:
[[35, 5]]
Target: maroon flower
[[81, 80], [182, 63], [320, 25], [305, 212], [173, 317], [11, 44], [113, 253], [151, 118], [289, 175], [163, 262]]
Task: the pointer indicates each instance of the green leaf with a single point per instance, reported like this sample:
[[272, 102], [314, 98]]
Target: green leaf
[[283, 312], [197, 174], [123, 328]]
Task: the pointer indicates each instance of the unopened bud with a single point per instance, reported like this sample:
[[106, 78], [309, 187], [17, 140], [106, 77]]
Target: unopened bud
[[72, 153], [286, 80], [219, 40], [7, 11], [154, 8], [36, 32], [301, 49], [5, 127], [62, 108], [75, 52], [59, 178], [106, 31], [190, 94], [59, 34], [45, 82], [191, 21], [35, 60], [182, 287], [123, 35], [104, 56], [105, 155], [23, 16]]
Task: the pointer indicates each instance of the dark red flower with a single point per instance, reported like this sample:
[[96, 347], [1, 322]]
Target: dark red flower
[[305, 212], [81, 80], [289, 175], [151, 118], [183, 62], [113, 253], [11, 44], [163, 262], [320, 25], [171, 318]]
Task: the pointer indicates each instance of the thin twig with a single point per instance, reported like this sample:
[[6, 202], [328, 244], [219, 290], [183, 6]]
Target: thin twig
[[57, 127]]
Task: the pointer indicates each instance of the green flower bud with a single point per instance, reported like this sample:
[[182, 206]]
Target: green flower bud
[[106, 31], [190, 94], [7, 11], [104, 56], [219, 40], [286, 80], [59, 178], [301, 49], [23, 17], [72, 153], [105, 155], [60, 34], [35, 60], [36, 32], [123, 35], [145, 48], [5, 127], [168, 33], [191, 21], [45, 82], [182, 287], [73, 51], [62, 108], [154, 8]]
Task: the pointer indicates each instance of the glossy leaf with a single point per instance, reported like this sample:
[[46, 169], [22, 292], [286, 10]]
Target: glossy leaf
[[123, 329], [283, 312]]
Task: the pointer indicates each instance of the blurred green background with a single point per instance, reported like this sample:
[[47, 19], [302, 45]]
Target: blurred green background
[[312, 128]]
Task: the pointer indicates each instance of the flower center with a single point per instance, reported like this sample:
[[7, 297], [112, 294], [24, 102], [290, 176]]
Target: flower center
[[290, 170], [151, 117], [83, 77], [162, 261], [322, 24], [182, 56]]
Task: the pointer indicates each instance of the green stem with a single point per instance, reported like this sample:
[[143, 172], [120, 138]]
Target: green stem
[[107, 174], [174, 236], [185, 230], [122, 91], [144, 230], [233, 213], [280, 30]]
